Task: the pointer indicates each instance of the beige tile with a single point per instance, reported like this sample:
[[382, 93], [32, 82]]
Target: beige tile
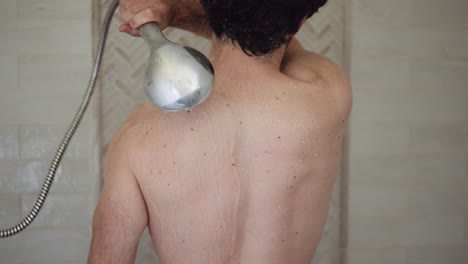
[[9, 209], [66, 9], [439, 139], [60, 210], [441, 45], [380, 44], [410, 108], [41, 142], [380, 109], [450, 255], [436, 201], [407, 170], [440, 77], [9, 142], [466, 183], [438, 108], [75, 176], [8, 72], [27, 177], [54, 72], [17, 178], [375, 256], [44, 262], [377, 205], [435, 231], [8, 24], [434, 14], [377, 76], [7, 44], [378, 139], [466, 170], [381, 14], [438, 171], [35, 107], [8, 10], [366, 171], [466, 230], [368, 235], [47, 245], [46, 36]]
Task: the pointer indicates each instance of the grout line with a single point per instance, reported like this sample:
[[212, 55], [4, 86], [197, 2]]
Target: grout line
[[21, 206], [20, 145]]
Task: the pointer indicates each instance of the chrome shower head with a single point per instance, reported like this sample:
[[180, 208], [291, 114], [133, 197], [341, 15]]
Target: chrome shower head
[[177, 78]]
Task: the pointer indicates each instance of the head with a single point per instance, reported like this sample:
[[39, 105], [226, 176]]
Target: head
[[259, 26]]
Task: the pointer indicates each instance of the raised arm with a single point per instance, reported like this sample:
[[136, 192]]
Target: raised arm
[[121, 216], [184, 14]]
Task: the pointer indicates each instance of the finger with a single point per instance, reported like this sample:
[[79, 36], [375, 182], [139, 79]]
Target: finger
[[161, 14], [129, 30], [129, 9]]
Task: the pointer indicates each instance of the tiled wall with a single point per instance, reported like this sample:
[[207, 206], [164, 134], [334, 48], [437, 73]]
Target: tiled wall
[[408, 150], [45, 63]]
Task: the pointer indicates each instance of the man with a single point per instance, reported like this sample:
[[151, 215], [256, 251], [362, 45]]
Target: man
[[245, 177]]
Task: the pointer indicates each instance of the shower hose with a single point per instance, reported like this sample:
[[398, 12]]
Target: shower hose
[[70, 132]]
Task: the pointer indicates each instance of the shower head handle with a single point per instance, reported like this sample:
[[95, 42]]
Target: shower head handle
[[152, 35]]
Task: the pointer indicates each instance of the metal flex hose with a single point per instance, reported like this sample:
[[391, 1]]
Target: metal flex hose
[[70, 132]]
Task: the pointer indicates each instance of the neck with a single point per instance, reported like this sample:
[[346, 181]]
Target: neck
[[230, 58]]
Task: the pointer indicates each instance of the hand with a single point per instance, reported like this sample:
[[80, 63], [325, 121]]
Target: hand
[[135, 13]]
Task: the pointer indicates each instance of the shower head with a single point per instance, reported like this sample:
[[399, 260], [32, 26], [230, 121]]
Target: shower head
[[177, 77]]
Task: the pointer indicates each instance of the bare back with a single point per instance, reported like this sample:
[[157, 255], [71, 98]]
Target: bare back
[[246, 177]]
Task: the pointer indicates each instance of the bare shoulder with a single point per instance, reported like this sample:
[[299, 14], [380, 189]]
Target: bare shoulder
[[128, 137], [320, 74]]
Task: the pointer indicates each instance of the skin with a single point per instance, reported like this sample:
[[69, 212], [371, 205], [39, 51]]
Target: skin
[[246, 177]]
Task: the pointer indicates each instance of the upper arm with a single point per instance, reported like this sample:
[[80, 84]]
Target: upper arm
[[121, 216]]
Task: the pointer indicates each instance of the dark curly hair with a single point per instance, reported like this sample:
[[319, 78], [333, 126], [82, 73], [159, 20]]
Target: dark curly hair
[[258, 26]]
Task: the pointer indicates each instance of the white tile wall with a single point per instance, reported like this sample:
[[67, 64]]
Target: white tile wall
[[45, 63], [37, 35], [53, 72], [408, 162], [446, 231], [437, 255], [62, 9], [378, 205], [445, 45], [47, 245], [9, 208], [437, 139], [382, 14], [408, 170], [432, 14], [9, 9], [437, 108], [436, 201], [9, 72], [28, 176], [381, 77], [9, 146], [39, 106], [385, 139], [386, 256], [41, 142], [444, 171], [434, 77], [372, 235]]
